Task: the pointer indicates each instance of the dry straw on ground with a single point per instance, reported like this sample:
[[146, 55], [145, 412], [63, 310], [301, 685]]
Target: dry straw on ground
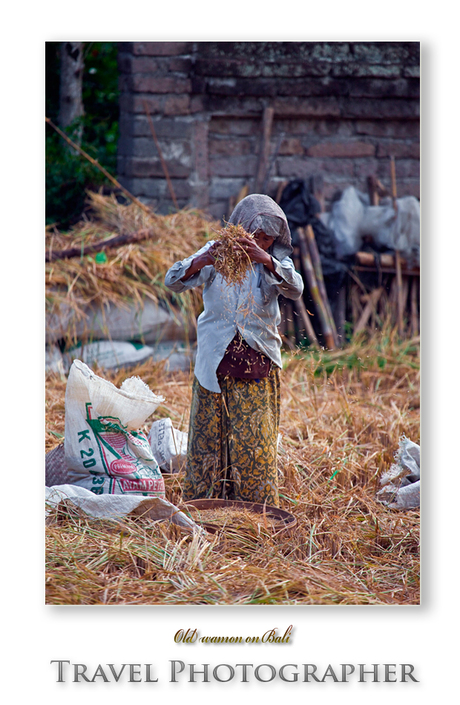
[[342, 415]]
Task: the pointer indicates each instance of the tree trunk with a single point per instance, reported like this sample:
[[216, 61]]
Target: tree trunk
[[71, 83]]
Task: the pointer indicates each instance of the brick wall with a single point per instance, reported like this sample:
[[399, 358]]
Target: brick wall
[[340, 110]]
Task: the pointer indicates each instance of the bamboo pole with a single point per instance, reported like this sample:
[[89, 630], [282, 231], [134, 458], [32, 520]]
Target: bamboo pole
[[370, 307], [303, 313], [340, 315], [316, 261], [272, 161], [301, 308], [314, 290], [385, 259], [95, 163], [356, 306]]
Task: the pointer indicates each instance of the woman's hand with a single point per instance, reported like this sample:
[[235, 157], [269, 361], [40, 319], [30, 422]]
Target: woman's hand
[[259, 254], [254, 251]]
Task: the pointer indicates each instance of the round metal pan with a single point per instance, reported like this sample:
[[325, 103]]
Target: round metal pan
[[284, 520]]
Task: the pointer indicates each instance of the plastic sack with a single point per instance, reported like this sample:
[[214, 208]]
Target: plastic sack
[[345, 222], [104, 450], [352, 218], [55, 467], [117, 507], [395, 233], [407, 497], [400, 485], [169, 446], [54, 361]]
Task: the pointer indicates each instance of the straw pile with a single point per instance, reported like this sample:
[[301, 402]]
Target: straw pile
[[231, 259], [342, 416], [121, 275]]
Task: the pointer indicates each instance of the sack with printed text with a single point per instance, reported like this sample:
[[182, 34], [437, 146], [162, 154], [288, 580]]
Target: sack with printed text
[[169, 446], [105, 451]]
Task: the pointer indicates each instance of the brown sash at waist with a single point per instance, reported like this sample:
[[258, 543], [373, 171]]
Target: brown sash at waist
[[242, 361]]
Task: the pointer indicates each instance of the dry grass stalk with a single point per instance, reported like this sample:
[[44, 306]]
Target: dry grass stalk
[[342, 415], [123, 275], [232, 260]]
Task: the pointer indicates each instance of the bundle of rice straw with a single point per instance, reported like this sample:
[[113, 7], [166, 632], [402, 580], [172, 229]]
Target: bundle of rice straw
[[122, 276], [232, 260]]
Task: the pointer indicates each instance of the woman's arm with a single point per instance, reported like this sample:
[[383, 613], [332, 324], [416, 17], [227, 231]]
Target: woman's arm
[[192, 271], [288, 282], [198, 262]]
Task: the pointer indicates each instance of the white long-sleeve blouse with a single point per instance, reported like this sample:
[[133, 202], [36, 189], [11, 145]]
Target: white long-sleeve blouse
[[229, 309]]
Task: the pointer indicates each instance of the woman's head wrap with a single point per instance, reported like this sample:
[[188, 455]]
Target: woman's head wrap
[[260, 212]]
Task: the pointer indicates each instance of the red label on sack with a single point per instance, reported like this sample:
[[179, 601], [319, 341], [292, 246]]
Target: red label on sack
[[143, 485], [122, 467]]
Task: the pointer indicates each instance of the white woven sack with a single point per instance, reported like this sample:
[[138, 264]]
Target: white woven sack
[[104, 450], [169, 446]]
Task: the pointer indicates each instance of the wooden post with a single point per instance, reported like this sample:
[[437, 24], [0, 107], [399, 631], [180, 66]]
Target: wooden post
[[340, 314], [303, 313], [301, 308], [367, 259], [372, 190], [317, 189], [356, 307], [316, 261], [370, 306], [279, 191], [272, 161], [314, 290], [117, 241], [262, 165]]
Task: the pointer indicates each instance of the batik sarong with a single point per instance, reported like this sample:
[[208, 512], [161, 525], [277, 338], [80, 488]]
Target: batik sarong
[[233, 438]]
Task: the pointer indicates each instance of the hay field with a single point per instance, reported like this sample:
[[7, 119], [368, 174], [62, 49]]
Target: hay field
[[342, 416]]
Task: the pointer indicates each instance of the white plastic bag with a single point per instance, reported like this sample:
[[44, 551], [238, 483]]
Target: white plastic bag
[[400, 232], [345, 222], [169, 446], [400, 485], [104, 450], [116, 507], [352, 219]]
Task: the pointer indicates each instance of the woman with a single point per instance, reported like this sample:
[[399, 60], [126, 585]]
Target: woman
[[234, 417]]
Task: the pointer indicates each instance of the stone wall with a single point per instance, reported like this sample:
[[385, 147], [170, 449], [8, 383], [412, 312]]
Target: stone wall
[[340, 110]]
